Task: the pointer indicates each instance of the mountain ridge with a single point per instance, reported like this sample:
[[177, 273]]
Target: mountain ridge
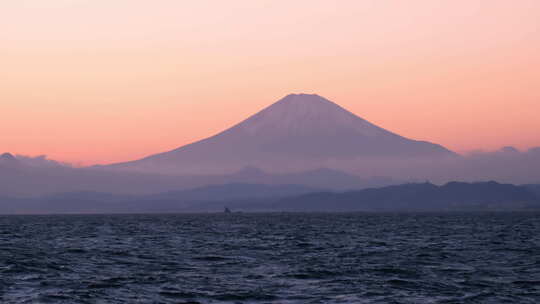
[[452, 196]]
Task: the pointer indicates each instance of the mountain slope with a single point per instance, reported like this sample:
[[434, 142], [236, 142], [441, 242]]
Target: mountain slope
[[299, 131]]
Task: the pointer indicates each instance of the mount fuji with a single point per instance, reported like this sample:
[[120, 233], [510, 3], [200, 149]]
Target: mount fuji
[[300, 131]]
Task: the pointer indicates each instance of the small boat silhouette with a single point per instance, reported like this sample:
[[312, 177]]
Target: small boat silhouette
[[227, 210]]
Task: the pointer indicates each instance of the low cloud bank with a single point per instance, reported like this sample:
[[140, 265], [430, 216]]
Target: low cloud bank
[[505, 165], [40, 161]]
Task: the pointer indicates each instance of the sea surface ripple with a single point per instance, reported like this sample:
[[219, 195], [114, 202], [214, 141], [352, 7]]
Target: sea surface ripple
[[271, 258]]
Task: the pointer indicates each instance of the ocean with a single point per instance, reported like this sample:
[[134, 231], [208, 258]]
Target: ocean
[[271, 258]]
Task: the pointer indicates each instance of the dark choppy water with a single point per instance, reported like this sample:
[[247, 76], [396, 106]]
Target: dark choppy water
[[271, 258]]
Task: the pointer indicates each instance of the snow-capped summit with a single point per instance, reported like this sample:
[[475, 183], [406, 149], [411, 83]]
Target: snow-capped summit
[[298, 129], [304, 114]]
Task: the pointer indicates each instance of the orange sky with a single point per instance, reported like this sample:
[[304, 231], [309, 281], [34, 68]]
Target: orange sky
[[99, 81]]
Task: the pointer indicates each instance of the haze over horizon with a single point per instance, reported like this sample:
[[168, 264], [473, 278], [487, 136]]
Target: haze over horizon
[[91, 82]]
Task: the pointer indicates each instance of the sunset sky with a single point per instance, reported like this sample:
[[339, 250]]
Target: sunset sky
[[101, 81]]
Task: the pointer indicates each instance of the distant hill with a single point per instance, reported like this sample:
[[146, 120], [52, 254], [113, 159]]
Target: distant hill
[[454, 196], [300, 131], [535, 189]]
